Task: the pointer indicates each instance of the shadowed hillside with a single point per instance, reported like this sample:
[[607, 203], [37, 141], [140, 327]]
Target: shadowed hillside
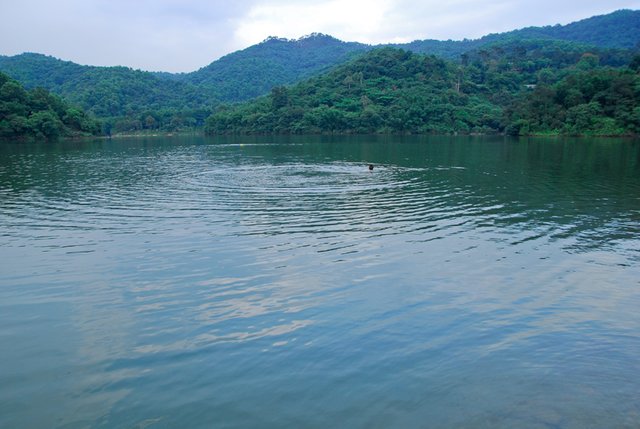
[[517, 88], [133, 100]]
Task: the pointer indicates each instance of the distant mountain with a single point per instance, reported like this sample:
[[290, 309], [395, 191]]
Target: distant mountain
[[527, 87], [619, 29], [242, 75], [246, 74], [254, 71], [174, 100], [103, 91]]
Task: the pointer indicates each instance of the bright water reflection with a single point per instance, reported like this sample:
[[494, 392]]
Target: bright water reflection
[[261, 282]]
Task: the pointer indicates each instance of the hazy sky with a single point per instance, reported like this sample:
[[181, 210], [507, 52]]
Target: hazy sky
[[184, 35]]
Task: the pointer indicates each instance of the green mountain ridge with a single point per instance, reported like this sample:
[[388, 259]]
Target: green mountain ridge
[[130, 100], [273, 62], [533, 87], [106, 91], [619, 29], [290, 60]]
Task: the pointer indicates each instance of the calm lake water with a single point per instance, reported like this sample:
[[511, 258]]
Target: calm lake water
[[277, 283]]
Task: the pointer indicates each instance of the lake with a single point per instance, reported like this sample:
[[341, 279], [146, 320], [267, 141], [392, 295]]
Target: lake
[[273, 282]]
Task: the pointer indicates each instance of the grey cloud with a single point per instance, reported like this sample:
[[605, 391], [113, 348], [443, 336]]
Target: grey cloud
[[175, 35]]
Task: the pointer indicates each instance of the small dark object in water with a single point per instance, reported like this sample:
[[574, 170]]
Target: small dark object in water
[[370, 167]]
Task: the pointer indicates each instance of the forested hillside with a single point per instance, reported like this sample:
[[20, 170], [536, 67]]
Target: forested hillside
[[254, 71], [38, 114], [131, 100], [245, 74], [128, 99], [619, 29], [514, 88]]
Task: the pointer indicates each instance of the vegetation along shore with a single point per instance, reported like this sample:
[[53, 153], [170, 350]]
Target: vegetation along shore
[[578, 79]]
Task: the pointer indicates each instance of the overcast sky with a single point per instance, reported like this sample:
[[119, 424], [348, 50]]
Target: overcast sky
[[184, 35]]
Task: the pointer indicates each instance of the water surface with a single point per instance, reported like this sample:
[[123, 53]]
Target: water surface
[[276, 282]]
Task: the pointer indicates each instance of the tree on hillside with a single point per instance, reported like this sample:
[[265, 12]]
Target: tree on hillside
[[39, 114]]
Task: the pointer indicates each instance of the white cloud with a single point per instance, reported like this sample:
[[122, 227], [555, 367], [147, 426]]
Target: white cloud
[[167, 35], [383, 21], [183, 35], [358, 20], [458, 19]]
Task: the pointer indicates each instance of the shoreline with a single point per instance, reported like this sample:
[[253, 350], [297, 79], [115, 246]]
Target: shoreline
[[29, 139]]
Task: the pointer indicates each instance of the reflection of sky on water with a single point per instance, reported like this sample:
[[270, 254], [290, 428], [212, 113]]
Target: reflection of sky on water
[[252, 277]]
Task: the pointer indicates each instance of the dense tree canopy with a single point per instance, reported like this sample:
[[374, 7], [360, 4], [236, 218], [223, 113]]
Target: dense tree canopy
[[37, 113], [536, 87], [123, 98], [252, 72], [619, 30], [126, 98], [485, 85], [591, 101]]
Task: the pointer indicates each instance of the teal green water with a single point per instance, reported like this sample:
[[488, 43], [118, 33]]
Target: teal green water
[[272, 283]]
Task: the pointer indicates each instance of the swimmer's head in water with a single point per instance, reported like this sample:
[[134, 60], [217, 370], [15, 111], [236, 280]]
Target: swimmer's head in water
[[370, 167]]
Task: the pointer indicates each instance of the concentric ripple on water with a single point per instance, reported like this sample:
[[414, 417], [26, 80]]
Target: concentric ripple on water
[[263, 282]]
